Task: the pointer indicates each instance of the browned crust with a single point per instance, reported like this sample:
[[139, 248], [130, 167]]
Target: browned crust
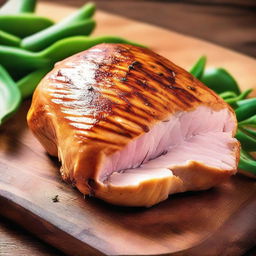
[[190, 177], [130, 82]]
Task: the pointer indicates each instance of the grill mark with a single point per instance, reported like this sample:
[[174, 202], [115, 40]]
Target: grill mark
[[109, 129], [171, 79], [142, 126], [119, 125], [130, 110], [135, 81], [187, 94], [143, 99], [129, 106], [171, 100], [144, 84], [157, 99], [157, 83], [95, 139]]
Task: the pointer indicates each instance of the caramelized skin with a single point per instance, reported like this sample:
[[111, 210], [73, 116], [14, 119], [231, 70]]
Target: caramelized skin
[[95, 102]]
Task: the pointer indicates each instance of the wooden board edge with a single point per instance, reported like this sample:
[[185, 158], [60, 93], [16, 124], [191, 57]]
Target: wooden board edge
[[70, 245], [46, 231]]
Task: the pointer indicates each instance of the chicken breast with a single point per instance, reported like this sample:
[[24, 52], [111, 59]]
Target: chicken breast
[[130, 127]]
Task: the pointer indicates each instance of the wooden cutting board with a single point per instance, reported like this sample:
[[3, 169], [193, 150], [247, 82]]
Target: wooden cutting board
[[220, 221]]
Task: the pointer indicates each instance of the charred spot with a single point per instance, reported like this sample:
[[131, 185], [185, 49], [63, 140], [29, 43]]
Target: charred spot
[[145, 128], [171, 79], [152, 66], [168, 70], [160, 73], [59, 73], [141, 83], [191, 88], [134, 65], [90, 88], [130, 67]]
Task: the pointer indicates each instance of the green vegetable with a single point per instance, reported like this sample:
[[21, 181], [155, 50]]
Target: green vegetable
[[250, 121], [198, 69], [251, 101], [8, 39], [28, 83], [23, 24], [219, 80], [10, 97], [246, 109], [69, 46], [61, 29], [13, 58], [18, 6], [250, 131], [242, 96], [46, 37], [248, 142], [227, 95], [247, 163]]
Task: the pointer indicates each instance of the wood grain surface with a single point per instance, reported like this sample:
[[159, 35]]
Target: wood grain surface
[[230, 23], [221, 219]]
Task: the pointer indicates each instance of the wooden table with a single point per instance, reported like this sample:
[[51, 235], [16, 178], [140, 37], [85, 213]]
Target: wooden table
[[232, 22]]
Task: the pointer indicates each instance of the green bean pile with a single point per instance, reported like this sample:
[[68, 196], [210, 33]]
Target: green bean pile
[[219, 80], [31, 44]]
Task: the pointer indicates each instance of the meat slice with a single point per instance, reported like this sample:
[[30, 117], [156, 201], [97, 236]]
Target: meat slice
[[130, 127]]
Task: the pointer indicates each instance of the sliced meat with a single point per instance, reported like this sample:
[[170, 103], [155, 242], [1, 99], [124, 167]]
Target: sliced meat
[[131, 127]]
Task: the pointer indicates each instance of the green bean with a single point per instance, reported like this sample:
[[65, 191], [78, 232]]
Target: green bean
[[250, 121], [242, 96], [247, 163], [9, 39], [198, 69], [23, 24], [43, 39], [13, 58], [69, 46], [250, 131], [28, 83], [10, 97], [227, 95], [219, 80], [20, 6], [248, 143], [60, 30], [251, 101], [246, 109]]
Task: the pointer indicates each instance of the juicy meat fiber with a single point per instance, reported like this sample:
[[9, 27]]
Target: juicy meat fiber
[[130, 127]]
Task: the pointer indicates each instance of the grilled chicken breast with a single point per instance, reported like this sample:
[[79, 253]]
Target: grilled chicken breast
[[130, 127]]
